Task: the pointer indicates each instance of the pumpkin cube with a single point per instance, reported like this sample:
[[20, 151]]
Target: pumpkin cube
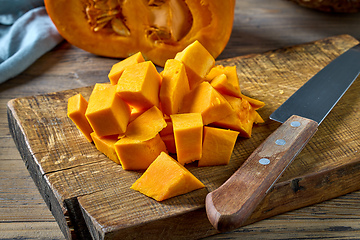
[[101, 86], [169, 141], [242, 119], [206, 100], [233, 120], [166, 178], [105, 145], [147, 125], [76, 109], [214, 71], [139, 85], [231, 75], [136, 154], [256, 104], [217, 146], [223, 86], [198, 62], [169, 127], [118, 68], [174, 86], [107, 113], [247, 116], [188, 133]]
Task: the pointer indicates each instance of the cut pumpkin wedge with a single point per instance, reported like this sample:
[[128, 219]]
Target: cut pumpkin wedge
[[172, 179]]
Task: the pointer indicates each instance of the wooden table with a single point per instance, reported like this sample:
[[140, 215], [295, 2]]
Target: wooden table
[[259, 26]]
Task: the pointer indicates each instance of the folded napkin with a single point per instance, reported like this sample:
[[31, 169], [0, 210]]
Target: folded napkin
[[26, 33]]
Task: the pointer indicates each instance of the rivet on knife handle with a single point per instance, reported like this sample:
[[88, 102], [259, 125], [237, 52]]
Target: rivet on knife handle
[[229, 206]]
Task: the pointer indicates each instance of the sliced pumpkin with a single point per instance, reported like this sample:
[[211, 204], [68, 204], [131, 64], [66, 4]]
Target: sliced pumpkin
[[136, 154], [107, 113], [147, 125], [76, 109], [218, 146], [206, 100], [174, 86], [242, 119], [172, 179], [198, 62], [118, 68], [231, 77], [106, 145], [188, 132], [132, 127], [158, 29], [256, 104], [223, 86], [139, 85]]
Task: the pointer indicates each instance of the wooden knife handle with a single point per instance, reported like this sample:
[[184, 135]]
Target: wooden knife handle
[[229, 206]]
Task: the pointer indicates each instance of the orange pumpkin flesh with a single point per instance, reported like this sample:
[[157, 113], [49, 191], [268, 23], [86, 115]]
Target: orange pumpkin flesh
[[172, 179], [77, 106], [151, 133], [157, 28]]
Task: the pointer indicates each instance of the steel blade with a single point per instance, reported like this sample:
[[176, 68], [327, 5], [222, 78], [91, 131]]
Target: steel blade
[[316, 98]]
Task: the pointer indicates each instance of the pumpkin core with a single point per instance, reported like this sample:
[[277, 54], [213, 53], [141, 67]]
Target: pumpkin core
[[169, 21], [157, 28]]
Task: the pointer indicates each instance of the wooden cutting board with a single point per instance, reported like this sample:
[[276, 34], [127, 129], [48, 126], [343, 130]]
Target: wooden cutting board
[[90, 196]]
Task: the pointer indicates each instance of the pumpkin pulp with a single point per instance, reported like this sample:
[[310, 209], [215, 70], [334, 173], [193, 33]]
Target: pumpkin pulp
[[157, 28]]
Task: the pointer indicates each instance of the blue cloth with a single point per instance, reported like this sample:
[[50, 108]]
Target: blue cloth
[[26, 33]]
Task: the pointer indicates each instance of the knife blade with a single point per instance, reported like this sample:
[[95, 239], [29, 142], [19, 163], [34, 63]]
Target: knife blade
[[229, 206]]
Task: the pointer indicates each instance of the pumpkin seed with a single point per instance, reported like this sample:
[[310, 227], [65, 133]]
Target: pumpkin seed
[[106, 15], [119, 27]]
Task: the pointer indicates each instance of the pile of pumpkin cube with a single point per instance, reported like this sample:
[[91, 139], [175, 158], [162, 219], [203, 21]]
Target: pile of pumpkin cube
[[159, 122]]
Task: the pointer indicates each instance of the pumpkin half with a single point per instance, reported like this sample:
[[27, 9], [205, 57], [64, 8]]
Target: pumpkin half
[[156, 28]]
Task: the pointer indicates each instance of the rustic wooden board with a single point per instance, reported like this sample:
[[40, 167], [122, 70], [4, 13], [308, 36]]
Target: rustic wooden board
[[89, 195]]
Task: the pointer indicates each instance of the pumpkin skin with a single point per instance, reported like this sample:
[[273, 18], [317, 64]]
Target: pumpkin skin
[[108, 28]]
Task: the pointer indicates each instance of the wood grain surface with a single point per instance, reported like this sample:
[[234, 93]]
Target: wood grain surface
[[259, 26], [78, 182]]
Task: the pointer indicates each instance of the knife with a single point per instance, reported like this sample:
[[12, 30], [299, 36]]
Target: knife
[[230, 205]]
